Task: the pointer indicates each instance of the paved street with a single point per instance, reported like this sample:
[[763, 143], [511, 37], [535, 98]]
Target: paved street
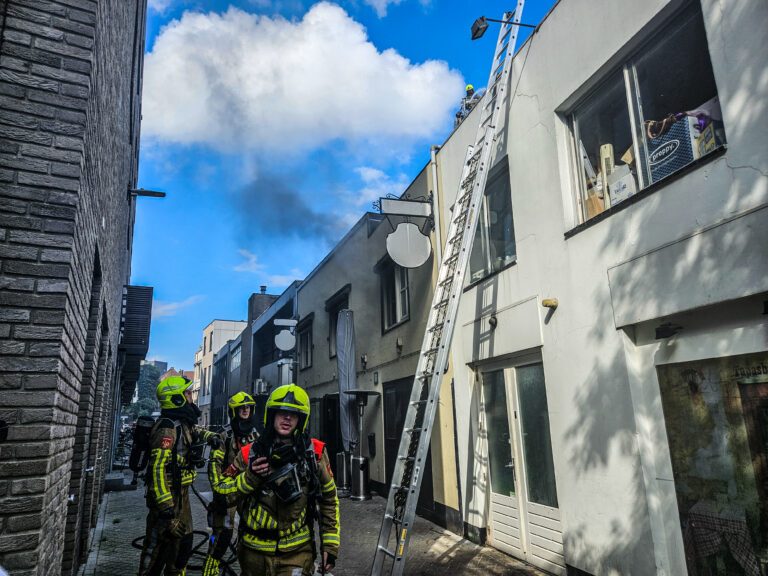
[[433, 551]]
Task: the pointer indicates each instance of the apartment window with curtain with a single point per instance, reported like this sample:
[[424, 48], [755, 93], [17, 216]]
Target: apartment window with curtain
[[395, 305], [655, 115], [494, 245], [305, 346]]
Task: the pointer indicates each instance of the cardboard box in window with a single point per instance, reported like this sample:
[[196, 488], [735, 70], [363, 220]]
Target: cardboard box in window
[[674, 149], [621, 184]]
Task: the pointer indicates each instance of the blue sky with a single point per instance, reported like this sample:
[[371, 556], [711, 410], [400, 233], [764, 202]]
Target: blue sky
[[272, 125]]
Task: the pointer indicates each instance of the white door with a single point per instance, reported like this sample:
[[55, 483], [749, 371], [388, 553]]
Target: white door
[[505, 521], [524, 514]]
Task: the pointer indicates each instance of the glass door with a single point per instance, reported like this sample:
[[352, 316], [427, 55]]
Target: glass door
[[505, 524], [542, 528], [524, 517]]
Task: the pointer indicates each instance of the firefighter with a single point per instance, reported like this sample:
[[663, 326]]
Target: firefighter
[[175, 444], [282, 479], [221, 516]]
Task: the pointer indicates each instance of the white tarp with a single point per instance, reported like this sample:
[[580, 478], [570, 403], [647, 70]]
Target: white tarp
[[345, 359]]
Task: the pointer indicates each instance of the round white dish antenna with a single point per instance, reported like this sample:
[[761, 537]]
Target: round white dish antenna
[[407, 246], [285, 341]]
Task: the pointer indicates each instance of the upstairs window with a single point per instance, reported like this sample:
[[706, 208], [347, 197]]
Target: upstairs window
[[335, 304], [394, 294], [235, 360], [655, 115], [494, 245], [305, 346]]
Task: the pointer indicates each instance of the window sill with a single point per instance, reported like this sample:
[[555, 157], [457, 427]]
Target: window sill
[[305, 368], [648, 191], [469, 287], [395, 325]]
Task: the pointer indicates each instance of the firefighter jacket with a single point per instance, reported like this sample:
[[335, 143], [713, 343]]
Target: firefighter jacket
[[225, 456], [165, 478], [270, 526]]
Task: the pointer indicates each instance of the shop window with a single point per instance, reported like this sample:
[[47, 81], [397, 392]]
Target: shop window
[[394, 294], [305, 347], [716, 416], [649, 119], [494, 245]]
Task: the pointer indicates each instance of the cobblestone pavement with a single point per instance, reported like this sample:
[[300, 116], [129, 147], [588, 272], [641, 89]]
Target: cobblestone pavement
[[433, 551]]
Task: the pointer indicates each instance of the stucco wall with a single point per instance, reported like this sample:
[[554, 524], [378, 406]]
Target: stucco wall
[[594, 416]]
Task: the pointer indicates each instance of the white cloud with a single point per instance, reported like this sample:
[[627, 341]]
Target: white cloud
[[381, 6], [159, 6], [283, 280], [161, 308], [237, 80], [377, 184], [251, 263]]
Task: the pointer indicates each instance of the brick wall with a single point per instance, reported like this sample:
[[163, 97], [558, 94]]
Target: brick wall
[[70, 75]]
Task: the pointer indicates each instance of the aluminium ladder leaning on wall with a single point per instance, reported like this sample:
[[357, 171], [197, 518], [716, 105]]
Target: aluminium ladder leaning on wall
[[435, 348]]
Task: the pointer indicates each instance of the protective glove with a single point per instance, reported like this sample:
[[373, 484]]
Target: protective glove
[[218, 455], [215, 442], [170, 524], [330, 561], [177, 528]]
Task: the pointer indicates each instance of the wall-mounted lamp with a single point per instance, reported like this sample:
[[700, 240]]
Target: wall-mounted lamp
[[480, 25], [493, 322], [143, 192], [550, 303], [376, 378], [364, 360], [667, 330], [399, 344]]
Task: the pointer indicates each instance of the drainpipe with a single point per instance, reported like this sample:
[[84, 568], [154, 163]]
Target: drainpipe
[[436, 205]]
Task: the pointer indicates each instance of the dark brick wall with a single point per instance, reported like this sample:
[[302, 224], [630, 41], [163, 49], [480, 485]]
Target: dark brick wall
[[70, 85]]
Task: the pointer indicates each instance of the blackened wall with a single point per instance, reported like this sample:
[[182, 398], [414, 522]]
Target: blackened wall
[[70, 89]]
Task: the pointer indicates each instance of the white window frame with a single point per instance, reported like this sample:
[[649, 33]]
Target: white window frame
[[396, 277]]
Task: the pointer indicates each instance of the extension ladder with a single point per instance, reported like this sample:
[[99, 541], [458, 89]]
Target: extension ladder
[[435, 348]]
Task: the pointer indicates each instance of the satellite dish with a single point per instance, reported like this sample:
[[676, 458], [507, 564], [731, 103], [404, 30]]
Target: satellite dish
[[407, 246], [285, 341]]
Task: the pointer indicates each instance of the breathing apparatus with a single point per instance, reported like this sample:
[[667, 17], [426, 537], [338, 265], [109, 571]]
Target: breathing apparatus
[[286, 456]]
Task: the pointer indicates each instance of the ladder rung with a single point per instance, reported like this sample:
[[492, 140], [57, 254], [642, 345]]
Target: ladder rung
[[441, 303], [416, 402], [386, 551], [408, 458]]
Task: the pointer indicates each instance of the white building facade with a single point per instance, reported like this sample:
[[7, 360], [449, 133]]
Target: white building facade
[[215, 335], [623, 428]]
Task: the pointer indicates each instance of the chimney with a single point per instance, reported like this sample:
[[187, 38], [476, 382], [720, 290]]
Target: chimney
[[263, 288]]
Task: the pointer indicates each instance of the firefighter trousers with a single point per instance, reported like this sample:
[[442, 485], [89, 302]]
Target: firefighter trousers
[[252, 563], [163, 553]]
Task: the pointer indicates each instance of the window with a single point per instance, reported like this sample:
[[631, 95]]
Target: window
[[333, 324], [716, 417], [210, 342], [494, 245], [394, 294], [649, 119], [335, 304], [205, 342], [235, 361], [305, 347]]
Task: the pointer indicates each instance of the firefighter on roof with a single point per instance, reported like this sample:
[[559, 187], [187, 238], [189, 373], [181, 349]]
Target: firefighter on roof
[[282, 480], [221, 516], [175, 449]]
